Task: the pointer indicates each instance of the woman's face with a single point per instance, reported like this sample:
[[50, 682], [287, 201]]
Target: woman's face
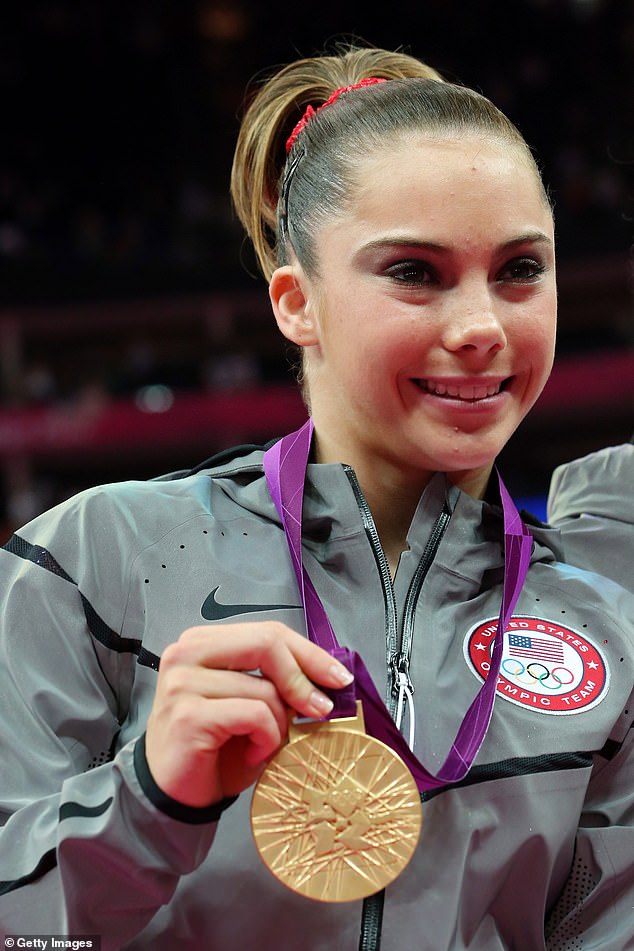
[[434, 311]]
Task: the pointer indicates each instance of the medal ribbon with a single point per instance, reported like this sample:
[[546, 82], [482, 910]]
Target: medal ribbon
[[285, 469]]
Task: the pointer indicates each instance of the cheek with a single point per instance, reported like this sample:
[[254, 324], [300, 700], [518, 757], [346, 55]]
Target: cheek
[[538, 348], [549, 333], [538, 329]]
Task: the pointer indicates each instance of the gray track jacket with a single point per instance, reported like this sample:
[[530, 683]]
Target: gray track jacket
[[533, 850], [592, 503]]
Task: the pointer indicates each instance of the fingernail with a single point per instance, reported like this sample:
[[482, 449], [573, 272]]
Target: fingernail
[[320, 703], [342, 674]]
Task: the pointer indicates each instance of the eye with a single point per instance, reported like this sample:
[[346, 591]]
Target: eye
[[522, 270], [412, 273]]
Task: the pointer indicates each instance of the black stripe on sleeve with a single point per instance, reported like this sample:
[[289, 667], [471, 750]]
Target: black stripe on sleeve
[[49, 860], [520, 766], [96, 625], [69, 810], [105, 634], [39, 556], [46, 863], [147, 659]]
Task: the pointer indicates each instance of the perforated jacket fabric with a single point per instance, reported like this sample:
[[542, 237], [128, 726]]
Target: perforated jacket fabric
[[532, 850]]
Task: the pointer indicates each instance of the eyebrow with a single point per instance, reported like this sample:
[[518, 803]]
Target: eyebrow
[[528, 237]]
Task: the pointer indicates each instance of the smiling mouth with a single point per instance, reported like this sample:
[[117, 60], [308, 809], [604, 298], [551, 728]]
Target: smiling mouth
[[469, 392]]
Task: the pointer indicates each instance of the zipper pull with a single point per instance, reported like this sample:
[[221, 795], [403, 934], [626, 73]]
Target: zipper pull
[[405, 699]]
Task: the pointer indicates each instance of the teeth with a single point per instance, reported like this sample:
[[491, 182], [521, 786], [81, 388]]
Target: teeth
[[455, 390]]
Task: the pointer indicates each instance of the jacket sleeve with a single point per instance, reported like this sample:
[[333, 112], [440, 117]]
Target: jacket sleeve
[[84, 849], [596, 908], [591, 502]]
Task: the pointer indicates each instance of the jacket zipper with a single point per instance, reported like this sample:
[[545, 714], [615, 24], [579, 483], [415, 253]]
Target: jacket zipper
[[404, 656], [391, 614], [398, 659], [398, 655]]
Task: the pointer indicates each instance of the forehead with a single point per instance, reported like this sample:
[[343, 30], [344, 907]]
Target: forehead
[[423, 173]]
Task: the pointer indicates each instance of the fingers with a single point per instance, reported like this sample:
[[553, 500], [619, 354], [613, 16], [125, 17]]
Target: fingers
[[255, 721], [200, 750], [221, 705], [221, 685], [291, 662]]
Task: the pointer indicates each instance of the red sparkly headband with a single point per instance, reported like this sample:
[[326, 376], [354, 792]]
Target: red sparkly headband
[[310, 112]]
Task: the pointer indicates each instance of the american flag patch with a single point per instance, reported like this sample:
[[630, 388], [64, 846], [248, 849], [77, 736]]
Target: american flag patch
[[536, 648]]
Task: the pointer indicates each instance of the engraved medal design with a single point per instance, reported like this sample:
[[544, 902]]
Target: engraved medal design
[[336, 815]]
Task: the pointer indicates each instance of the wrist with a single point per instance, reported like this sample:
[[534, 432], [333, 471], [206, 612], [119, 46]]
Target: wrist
[[193, 815]]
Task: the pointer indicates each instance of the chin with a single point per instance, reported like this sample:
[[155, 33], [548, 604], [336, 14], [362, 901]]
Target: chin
[[467, 451]]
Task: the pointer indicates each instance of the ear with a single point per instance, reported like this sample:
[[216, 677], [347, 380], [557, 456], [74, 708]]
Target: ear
[[293, 307]]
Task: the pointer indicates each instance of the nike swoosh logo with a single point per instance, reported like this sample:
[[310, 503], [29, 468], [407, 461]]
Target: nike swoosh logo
[[212, 610]]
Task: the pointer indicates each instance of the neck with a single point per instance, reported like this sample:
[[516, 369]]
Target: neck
[[393, 491], [392, 525]]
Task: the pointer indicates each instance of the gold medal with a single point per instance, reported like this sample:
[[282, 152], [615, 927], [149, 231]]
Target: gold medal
[[336, 815]]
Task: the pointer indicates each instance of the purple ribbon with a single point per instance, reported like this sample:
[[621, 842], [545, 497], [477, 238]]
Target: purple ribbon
[[285, 469]]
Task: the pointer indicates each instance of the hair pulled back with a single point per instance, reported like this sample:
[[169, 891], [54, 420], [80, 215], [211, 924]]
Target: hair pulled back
[[284, 199]]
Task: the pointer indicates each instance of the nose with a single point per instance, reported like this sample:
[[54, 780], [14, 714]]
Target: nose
[[474, 325]]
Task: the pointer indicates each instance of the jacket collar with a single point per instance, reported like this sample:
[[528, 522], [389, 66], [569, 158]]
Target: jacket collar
[[474, 537]]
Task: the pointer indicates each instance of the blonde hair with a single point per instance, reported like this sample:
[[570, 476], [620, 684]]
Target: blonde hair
[[282, 199], [260, 155]]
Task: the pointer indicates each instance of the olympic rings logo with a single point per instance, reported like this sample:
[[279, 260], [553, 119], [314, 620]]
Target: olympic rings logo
[[546, 667], [537, 678]]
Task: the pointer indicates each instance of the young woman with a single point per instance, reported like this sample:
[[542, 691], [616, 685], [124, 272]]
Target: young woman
[[408, 243]]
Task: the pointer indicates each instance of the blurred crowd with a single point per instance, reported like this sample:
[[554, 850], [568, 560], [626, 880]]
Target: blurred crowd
[[120, 119], [118, 125]]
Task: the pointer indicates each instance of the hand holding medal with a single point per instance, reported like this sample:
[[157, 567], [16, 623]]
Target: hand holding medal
[[213, 724]]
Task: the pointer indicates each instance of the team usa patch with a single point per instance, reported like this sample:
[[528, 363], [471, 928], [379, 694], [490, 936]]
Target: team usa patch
[[545, 666]]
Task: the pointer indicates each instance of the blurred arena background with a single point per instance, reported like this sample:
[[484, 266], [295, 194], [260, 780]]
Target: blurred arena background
[[135, 336]]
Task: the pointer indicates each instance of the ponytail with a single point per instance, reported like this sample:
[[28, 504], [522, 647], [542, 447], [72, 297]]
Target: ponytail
[[260, 155]]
